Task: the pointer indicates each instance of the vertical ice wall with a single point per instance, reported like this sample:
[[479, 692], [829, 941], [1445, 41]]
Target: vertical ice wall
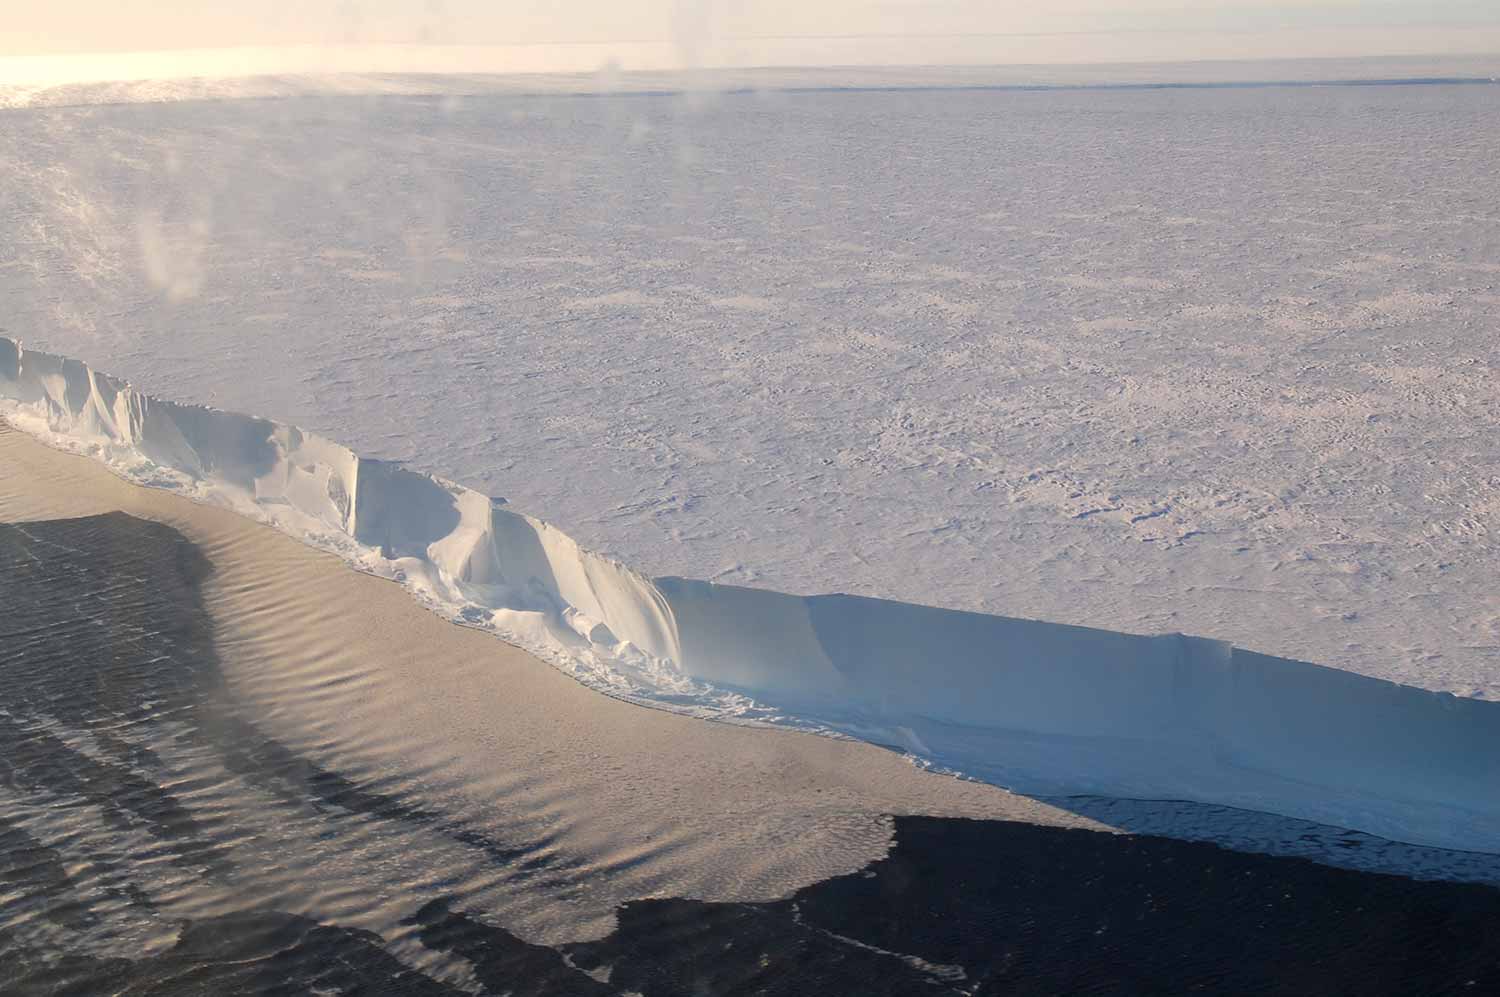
[[1035, 706]]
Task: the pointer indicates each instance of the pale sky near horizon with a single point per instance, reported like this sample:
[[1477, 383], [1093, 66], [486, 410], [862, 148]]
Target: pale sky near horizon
[[579, 34]]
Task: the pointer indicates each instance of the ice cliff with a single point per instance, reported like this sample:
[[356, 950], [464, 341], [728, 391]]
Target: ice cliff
[[1036, 707]]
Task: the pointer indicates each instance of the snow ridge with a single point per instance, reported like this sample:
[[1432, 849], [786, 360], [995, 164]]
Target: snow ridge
[[1033, 706]]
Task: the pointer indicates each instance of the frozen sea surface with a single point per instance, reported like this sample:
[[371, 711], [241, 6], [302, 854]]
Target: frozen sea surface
[[1199, 360], [157, 837]]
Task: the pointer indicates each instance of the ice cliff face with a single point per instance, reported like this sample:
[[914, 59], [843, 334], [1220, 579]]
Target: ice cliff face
[[1033, 706]]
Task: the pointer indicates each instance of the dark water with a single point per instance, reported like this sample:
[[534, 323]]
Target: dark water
[[124, 864]]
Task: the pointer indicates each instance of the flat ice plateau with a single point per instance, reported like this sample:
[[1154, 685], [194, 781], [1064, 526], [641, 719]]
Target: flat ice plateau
[[1211, 361]]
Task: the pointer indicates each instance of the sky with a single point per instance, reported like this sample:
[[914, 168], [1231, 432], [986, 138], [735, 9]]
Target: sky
[[580, 35]]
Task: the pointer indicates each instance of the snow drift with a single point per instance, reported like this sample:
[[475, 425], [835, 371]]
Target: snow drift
[[1037, 707]]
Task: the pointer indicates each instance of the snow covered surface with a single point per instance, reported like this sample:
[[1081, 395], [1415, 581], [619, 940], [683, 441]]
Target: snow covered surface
[[1038, 707], [242, 73], [1212, 361], [1208, 360]]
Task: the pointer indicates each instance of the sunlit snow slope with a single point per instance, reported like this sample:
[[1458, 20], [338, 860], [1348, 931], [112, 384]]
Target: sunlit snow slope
[[1035, 706]]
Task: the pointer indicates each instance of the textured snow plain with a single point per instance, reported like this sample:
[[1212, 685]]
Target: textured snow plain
[[1213, 361]]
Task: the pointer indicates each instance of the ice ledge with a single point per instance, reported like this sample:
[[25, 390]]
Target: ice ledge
[[1036, 707]]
